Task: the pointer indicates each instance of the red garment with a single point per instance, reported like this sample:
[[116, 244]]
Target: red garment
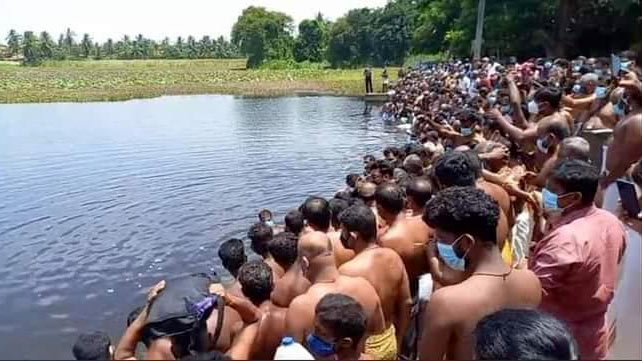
[[578, 264]]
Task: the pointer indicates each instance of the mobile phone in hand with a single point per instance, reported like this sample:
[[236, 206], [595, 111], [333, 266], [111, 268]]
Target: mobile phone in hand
[[629, 197]]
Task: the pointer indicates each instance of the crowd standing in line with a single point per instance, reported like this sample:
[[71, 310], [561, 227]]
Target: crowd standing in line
[[491, 234]]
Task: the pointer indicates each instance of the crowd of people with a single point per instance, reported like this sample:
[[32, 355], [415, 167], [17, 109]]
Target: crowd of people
[[493, 233]]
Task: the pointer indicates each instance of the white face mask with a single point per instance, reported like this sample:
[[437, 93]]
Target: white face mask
[[532, 107]]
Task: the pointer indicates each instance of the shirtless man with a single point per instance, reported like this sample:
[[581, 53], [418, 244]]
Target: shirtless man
[[366, 192], [317, 263], [390, 204], [294, 222], [260, 235], [284, 249], [256, 282], [232, 255], [465, 222], [626, 147], [410, 235], [341, 254], [546, 106], [359, 233]]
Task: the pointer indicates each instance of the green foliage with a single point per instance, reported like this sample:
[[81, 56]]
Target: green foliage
[[415, 59], [30, 49], [13, 42], [261, 34], [312, 40], [291, 64]]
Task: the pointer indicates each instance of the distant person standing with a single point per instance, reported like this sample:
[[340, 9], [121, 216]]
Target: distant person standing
[[367, 73], [401, 73], [384, 75]]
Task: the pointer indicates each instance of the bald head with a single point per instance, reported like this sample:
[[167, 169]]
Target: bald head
[[575, 148], [367, 190], [419, 191], [313, 244]]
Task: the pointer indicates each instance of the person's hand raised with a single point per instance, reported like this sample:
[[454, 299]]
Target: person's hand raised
[[155, 291]]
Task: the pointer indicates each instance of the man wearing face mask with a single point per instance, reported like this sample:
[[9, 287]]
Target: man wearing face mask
[[465, 219], [318, 266], [578, 261], [626, 147], [546, 104], [339, 329], [359, 233], [547, 150]]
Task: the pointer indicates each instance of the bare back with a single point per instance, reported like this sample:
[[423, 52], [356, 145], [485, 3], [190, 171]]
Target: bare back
[[454, 311], [271, 331], [288, 287], [390, 281], [300, 315], [409, 238]]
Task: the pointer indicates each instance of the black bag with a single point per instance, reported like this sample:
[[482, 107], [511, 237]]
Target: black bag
[[182, 308]]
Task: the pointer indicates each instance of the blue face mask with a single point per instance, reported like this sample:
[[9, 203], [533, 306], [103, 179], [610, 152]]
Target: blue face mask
[[542, 145], [319, 347], [449, 256], [619, 109], [600, 92], [550, 200], [466, 131]]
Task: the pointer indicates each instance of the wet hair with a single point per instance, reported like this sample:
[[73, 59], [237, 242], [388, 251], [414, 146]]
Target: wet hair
[[551, 95], [523, 334], [455, 169], [360, 219], [256, 281], [316, 211], [336, 207], [577, 176], [92, 346], [294, 221], [265, 215], [207, 356], [343, 316], [460, 210], [260, 234], [390, 197], [419, 190], [351, 180], [232, 255], [284, 249]]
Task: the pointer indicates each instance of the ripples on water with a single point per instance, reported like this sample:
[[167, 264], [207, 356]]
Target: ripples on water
[[100, 200]]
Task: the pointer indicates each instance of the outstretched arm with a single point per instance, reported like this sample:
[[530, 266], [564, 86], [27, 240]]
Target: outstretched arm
[[126, 349]]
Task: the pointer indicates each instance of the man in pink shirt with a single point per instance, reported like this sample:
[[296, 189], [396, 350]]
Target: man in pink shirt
[[578, 261]]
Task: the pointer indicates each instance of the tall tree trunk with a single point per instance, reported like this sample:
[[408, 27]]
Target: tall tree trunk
[[563, 35]]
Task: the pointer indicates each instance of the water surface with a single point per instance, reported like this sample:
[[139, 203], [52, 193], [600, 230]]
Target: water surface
[[100, 200]]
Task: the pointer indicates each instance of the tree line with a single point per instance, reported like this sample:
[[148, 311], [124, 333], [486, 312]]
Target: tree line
[[386, 35], [521, 28], [36, 48]]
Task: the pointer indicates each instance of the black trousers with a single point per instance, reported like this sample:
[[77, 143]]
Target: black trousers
[[368, 84]]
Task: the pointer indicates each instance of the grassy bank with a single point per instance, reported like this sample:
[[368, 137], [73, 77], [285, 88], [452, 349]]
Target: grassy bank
[[108, 80]]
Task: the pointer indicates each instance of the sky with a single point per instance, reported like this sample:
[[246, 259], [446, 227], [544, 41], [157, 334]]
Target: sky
[[155, 19]]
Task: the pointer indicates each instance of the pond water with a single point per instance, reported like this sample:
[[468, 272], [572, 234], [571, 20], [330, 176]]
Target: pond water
[[100, 200]]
